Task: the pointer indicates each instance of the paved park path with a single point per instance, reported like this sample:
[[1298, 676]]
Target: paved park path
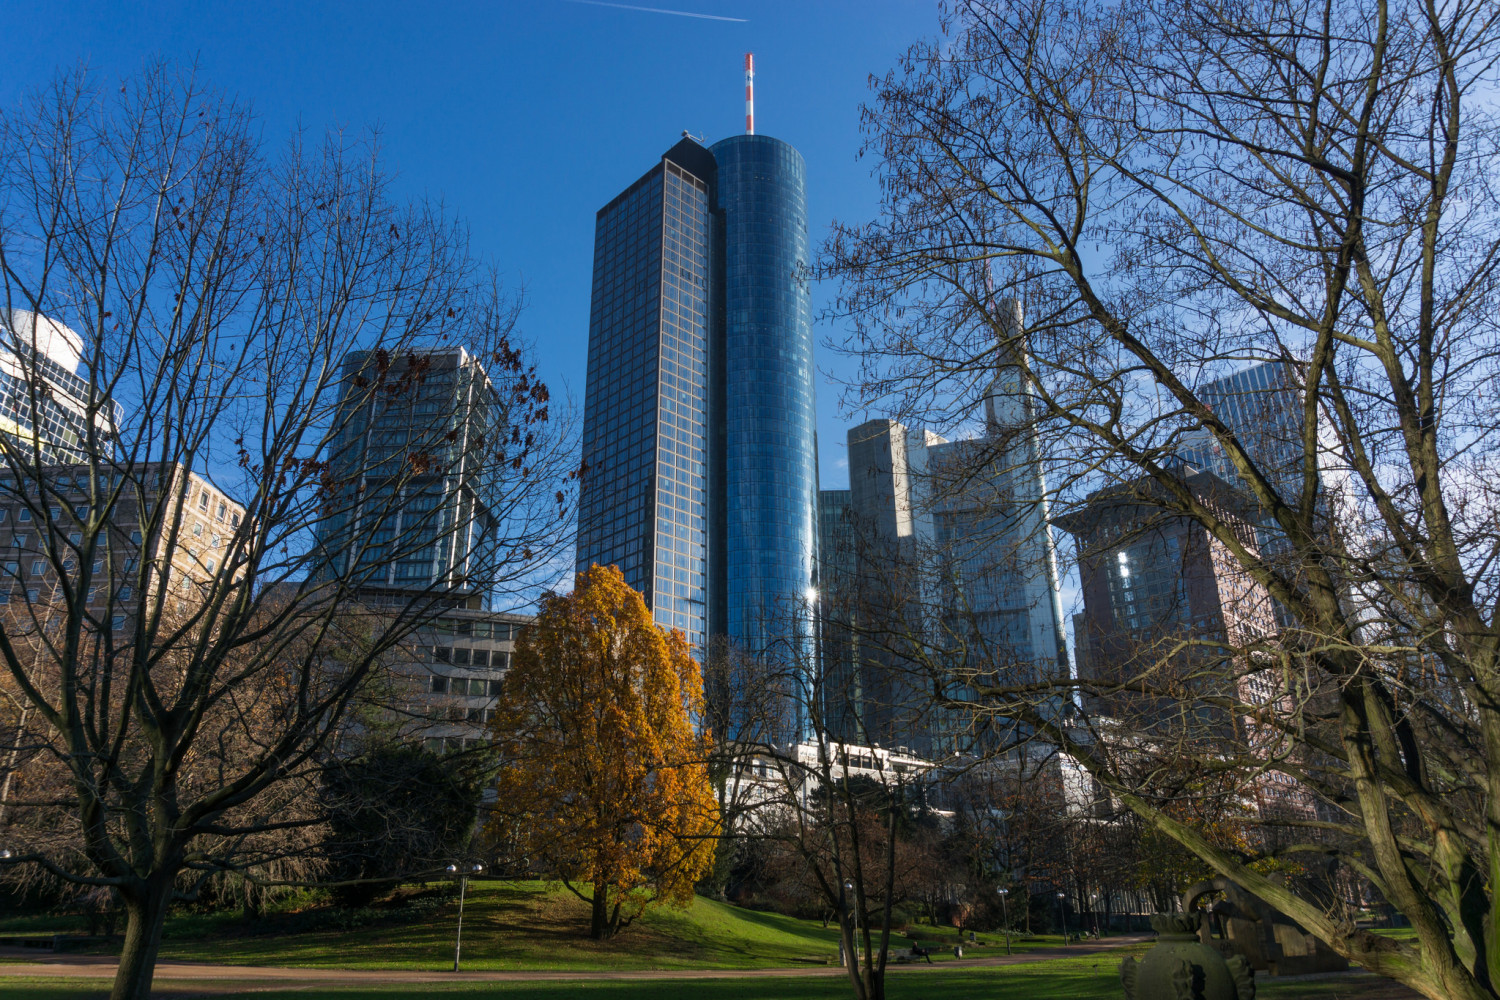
[[103, 967]]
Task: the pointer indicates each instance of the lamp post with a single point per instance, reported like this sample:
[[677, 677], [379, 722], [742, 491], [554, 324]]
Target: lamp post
[[463, 885], [1094, 911], [1005, 918], [854, 915], [1062, 915]]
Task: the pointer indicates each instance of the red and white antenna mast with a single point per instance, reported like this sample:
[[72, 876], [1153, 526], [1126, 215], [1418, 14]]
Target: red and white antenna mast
[[749, 93]]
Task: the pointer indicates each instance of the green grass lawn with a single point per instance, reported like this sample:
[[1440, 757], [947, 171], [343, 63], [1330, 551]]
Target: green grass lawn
[[519, 926]]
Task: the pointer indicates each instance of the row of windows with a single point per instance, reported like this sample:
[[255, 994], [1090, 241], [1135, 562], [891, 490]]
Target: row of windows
[[459, 713], [467, 687], [452, 744], [462, 656]]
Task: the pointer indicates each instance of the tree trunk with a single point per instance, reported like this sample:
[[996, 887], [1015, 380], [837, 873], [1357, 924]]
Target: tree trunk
[[599, 921], [252, 907], [856, 974], [145, 912]]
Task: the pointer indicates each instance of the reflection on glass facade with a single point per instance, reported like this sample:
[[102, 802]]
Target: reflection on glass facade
[[701, 474], [418, 482], [645, 434], [37, 352], [770, 461]]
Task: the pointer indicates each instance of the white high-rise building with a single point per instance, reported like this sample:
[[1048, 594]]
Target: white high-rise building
[[43, 399]]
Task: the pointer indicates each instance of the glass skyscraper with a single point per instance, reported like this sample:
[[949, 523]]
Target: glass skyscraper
[[771, 476], [417, 480], [700, 477]]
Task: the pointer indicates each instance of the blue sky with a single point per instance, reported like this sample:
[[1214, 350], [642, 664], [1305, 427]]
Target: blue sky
[[524, 117]]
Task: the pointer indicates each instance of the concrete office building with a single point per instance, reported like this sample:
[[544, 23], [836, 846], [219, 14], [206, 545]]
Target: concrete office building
[[1164, 599], [404, 527], [698, 439], [452, 671], [1151, 579]]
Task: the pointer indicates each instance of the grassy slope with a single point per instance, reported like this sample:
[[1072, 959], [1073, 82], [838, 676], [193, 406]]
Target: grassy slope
[[525, 926]]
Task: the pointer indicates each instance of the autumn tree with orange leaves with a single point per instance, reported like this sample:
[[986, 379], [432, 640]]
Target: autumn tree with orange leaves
[[603, 779]]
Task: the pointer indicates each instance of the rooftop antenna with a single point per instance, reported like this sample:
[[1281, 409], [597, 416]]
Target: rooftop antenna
[[749, 93]]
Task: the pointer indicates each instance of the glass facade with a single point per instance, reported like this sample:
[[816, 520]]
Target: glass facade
[[39, 352], [770, 460], [1262, 408], [843, 693], [418, 482], [700, 477], [645, 435]]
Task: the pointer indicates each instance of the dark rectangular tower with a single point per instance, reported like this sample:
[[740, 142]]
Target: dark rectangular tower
[[645, 503]]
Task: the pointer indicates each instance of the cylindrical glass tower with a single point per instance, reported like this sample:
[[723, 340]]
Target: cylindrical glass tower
[[770, 461]]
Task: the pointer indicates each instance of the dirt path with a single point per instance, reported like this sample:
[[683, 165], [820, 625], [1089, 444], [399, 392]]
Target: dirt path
[[103, 967]]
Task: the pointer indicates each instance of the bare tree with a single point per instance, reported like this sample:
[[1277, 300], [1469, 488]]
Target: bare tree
[[243, 388], [1175, 190]]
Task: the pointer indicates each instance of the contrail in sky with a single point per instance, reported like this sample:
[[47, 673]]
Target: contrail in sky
[[660, 10]]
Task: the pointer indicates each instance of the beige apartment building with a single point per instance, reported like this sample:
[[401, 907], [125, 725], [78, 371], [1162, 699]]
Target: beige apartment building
[[44, 526]]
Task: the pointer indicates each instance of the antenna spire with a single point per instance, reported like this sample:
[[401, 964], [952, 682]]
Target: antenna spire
[[749, 93]]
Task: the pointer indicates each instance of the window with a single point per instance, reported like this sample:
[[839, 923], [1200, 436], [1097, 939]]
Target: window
[[222, 508], [38, 567], [117, 623], [24, 514], [3, 514], [56, 513], [124, 593], [203, 500], [75, 538], [481, 657], [495, 688], [209, 565], [461, 657], [439, 684], [13, 567], [234, 520], [135, 536], [198, 528], [216, 541], [98, 566], [93, 593], [81, 512], [443, 654], [31, 595], [4, 597]]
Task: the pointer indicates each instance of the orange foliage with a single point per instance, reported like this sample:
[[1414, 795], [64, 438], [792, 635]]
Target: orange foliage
[[603, 777]]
